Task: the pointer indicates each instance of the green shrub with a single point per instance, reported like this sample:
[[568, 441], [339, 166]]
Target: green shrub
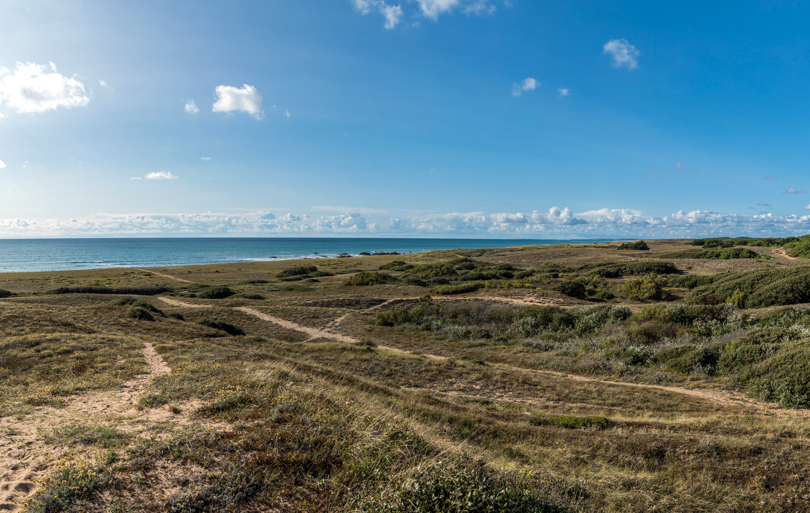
[[177, 316], [140, 314], [369, 278], [461, 288], [443, 487], [220, 292], [651, 332], [70, 482], [631, 268], [298, 270], [420, 313], [765, 287], [228, 328], [638, 245], [4, 293], [427, 271], [138, 291], [693, 280], [572, 288], [737, 298], [396, 265], [649, 287], [251, 296], [692, 360], [296, 288], [717, 254], [128, 301]]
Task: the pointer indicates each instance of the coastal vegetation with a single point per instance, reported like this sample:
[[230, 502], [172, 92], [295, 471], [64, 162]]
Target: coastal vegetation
[[552, 379]]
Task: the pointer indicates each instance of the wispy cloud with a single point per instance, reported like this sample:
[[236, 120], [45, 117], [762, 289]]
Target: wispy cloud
[[102, 83], [191, 107], [564, 91], [770, 177], [392, 13], [39, 88], [795, 191], [2, 164], [287, 114], [245, 99], [161, 175], [763, 204], [529, 84], [205, 158], [623, 53]]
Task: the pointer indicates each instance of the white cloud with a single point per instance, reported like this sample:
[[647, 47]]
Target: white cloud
[[102, 83], [563, 91], [161, 175], [287, 114], [246, 99], [556, 222], [205, 158], [433, 8], [807, 207], [528, 84], [2, 164], [191, 107], [32, 88], [392, 13], [623, 53], [795, 191], [479, 7], [25, 164], [136, 178]]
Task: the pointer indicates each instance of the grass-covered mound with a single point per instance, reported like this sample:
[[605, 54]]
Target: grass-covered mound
[[629, 268], [762, 288], [711, 254], [369, 278]]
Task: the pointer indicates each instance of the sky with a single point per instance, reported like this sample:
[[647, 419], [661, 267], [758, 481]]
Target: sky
[[410, 118]]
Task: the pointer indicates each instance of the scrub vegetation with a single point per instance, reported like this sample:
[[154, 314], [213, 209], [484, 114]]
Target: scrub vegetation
[[536, 379]]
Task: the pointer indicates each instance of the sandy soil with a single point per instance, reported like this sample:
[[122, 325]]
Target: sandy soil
[[25, 458], [169, 276]]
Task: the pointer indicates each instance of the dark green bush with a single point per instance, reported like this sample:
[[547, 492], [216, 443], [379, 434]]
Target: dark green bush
[[228, 328], [461, 288], [220, 292], [396, 265], [648, 287], [251, 296], [704, 359], [138, 313], [693, 280], [651, 332], [763, 288], [427, 271], [571, 422], [572, 288], [128, 301], [138, 291], [638, 245], [4, 293], [420, 313], [177, 316], [631, 268], [369, 278], [298, 270]]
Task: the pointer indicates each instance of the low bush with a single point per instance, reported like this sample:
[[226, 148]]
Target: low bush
[[128, 301], [693, 280], [693, 360], [765, 287], [220, 292], [227, 327], [461, 288], [571, 422], [572, 288], [140, 314], [369, 278], [5, 293], [649, 287], [138, 291], [638, 245], [631, 268], [298, 270], [717, 254], [396, 265]]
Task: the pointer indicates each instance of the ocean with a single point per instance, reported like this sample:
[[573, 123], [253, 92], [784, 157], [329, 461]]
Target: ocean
[[34, 255]]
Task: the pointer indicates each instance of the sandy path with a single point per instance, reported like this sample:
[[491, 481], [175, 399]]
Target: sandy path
[[169, 276], [782, 252], [25, 458], [719, 397]]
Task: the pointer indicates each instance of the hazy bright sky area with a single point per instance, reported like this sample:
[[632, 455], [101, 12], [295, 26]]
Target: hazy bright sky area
[[419, 118]]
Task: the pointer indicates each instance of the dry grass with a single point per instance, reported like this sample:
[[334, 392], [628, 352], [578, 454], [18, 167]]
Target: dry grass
[[329, 426]]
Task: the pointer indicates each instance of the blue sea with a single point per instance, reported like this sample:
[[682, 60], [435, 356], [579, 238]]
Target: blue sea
[[33, 255]]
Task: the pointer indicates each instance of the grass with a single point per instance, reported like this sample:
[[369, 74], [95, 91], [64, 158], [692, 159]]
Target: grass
[[509, 407]]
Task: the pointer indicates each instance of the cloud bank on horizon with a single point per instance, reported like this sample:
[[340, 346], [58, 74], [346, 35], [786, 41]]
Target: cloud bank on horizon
[[554, 223]]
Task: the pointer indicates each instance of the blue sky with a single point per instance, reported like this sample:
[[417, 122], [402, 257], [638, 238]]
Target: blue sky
[[474, 118]]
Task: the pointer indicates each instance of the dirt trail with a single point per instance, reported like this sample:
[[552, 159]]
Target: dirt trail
[[25, 458], [169, 276], [782, 252], [715, 396]]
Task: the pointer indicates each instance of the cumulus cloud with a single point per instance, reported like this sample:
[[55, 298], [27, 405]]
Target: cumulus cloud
[[102, 83], [161, 175], [392, 13], [795, 191], [2, 164], [191, 107], [37, 88], [563, 91], [245, 99], [807, 207], [623, 53], [528, 84]]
